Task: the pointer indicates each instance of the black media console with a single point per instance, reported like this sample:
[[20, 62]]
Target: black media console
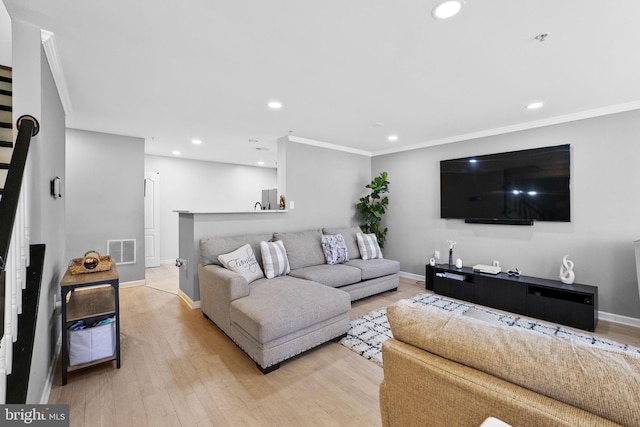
[[572, 305]]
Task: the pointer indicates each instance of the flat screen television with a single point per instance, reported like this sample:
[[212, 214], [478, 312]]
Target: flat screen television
[[517, 187]]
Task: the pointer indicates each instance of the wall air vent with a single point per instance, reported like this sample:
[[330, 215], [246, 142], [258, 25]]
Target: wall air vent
[[122, 251]]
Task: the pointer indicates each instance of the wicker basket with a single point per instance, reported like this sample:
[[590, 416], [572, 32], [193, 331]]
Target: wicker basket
[[76, 266]]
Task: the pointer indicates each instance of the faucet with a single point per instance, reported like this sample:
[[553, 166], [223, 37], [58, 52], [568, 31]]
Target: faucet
[[257, 203]]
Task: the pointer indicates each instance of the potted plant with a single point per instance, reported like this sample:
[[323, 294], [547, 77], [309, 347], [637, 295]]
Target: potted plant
[[373, 206]]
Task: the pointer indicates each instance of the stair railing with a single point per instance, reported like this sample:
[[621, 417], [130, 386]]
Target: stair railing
[[28, 127]]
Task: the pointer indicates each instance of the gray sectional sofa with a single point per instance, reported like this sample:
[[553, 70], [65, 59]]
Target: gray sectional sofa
[[275, 319]]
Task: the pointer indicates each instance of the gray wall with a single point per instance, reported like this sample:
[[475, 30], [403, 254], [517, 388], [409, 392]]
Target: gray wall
[[605, 209], [34, 93], [203, 186], [5, 37], [324, 184], [104, 195]]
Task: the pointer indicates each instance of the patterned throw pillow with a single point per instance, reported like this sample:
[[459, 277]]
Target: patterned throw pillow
[[368, 245], [334, 248], [242, 261], [274, 259]]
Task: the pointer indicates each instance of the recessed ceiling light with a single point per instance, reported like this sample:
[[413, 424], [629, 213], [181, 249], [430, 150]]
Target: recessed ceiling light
[[260, 162], [392, 138], [275, 105], [447, 9], [176, 153], [535, 105], [196, 141]]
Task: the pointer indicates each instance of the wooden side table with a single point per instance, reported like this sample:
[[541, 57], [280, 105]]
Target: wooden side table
[[103, 300]]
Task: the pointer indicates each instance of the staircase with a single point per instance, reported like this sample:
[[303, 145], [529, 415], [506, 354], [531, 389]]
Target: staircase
[[20, 264], [6, 125]]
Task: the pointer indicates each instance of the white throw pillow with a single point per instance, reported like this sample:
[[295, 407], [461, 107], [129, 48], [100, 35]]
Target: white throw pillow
[[368, 245], [274, 259], [242, 261]]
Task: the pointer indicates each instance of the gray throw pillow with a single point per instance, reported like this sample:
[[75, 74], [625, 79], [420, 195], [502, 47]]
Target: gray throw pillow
[[335, 249], [274, 259], [368, 245]]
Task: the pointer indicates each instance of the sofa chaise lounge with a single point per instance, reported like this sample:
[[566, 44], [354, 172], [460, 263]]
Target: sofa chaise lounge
[[274, 319]]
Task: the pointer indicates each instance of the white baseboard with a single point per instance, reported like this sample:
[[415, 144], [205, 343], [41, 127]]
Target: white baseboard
[[187, 300], [168, 261], [617, 318], [602, 315], [133, 283], [416, 277], [48, 384]]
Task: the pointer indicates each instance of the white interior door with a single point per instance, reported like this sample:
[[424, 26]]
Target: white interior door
[[152, 220]]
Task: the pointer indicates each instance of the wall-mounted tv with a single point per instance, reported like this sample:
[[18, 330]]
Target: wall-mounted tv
[[517, 187]]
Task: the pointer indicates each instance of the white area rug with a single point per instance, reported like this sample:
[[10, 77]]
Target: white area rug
[[367, 333]]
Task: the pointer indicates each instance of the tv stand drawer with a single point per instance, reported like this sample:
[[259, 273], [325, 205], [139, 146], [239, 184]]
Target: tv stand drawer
[[454, 284]]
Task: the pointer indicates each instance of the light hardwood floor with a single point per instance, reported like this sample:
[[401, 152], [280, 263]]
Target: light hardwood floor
[[178, 369], [163, 278]]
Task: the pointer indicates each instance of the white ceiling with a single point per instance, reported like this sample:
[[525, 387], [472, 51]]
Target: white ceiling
[[171, 71]]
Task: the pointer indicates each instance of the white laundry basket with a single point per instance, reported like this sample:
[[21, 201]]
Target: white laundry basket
[[87, 345]]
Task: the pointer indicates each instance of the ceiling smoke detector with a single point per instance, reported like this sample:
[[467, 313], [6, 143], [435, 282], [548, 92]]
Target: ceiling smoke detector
[[541, 37]]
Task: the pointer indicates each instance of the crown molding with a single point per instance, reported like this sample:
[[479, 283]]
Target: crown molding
[[336, 147], [598, 112], [49, 46]]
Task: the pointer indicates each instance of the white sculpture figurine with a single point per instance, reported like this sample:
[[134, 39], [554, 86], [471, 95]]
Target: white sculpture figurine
[[567, 275]]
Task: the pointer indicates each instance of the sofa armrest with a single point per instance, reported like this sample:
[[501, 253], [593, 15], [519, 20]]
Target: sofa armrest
[[218, 287]]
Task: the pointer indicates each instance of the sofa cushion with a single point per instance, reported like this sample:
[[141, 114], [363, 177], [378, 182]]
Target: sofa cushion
[[368, 245], [304, 248], [329, 275], [284, 305], [242, 261], [601, 381], [349, 234], [212, 247], [373, 268], [335, 249], [274, 259]]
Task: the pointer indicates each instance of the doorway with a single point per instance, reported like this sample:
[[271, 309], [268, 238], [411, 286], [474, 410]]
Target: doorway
[[152, 219]]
